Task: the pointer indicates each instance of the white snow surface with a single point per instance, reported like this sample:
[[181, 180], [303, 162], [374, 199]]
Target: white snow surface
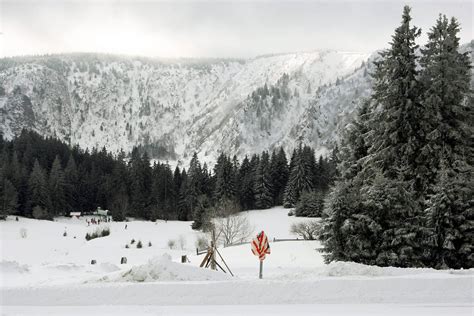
[[47, 272], [163, 269]]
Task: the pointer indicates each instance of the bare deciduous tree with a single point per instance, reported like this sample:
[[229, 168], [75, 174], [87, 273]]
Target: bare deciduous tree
[[229, 225], [307, 230]]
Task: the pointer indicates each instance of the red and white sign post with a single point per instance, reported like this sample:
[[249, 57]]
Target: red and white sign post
[[261, 248]]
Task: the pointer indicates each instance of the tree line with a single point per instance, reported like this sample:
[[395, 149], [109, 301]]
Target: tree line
[[44, 177], [405, 195]]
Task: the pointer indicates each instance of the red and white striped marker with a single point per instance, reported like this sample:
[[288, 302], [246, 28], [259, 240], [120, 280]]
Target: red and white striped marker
[[261, 248]]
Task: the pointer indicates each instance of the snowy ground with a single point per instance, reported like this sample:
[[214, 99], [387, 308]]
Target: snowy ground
[[47, 273]]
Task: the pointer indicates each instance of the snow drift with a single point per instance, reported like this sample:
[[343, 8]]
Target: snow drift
[[163, 269], [13, 267]]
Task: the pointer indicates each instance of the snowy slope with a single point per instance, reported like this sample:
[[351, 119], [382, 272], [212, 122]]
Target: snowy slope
[[179, 106], [47, 272]]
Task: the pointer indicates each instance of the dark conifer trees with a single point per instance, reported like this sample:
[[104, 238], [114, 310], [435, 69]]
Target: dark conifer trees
[[57, 188], [263, 185], [279, 174], [301, 176], [38, 192], [407, 150], [8, 196]]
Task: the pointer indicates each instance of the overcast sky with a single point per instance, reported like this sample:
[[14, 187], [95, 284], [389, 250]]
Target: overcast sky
[[212, 28]]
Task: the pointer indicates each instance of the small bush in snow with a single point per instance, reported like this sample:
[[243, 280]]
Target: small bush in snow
[[149, 244], [132, 241], [291, 213], [23, 233], [201, 242], [105, 232], [40, 213], [139, 244], [99, 232], [65, 233], [171, 243], [182, 242], [306, 230], [127, 246]]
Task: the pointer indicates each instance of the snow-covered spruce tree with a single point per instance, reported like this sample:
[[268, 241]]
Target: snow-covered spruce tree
[[184, 213], [57, 188], [246, 188], [8, 196], [343, 214], [399, 123], [310, 204], [399, 131], [163, 192], [341, 203], [375, 216], [354, 143], [389, 225], [279, 173], [224, 173], [201, 214], [263, 185], [71, 180], [446, 79], [194, 183], [450, 220], [300, 179], [118, 200], [449, 148], [39, 201], [141, 183]]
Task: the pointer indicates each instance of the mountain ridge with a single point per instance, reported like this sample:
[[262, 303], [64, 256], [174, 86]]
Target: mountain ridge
[[97, 100]]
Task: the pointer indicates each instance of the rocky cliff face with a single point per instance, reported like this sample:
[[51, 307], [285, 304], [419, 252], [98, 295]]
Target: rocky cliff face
[[175, 107]]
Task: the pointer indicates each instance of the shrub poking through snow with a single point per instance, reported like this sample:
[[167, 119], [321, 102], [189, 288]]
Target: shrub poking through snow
[[99, 232], [65, 233], [127, 246], [182, 242], [132, 241], [23, 233], [139, 244], [171, 243], [105, 232], [201, 242], [149, 244]]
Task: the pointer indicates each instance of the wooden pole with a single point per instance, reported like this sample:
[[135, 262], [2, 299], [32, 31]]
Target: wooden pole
[[213, 256], [224, 262], [260, 275]]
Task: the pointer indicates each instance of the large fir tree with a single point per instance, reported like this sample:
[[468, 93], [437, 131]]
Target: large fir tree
[[263, 186]]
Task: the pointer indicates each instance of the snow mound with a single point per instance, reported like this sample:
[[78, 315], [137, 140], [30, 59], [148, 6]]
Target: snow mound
[[107, 267], [65, 267], [72, 267], [163, 269], [357, 269], [13, 267]]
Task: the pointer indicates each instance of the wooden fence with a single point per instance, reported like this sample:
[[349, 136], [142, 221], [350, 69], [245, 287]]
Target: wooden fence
[[203, 251]]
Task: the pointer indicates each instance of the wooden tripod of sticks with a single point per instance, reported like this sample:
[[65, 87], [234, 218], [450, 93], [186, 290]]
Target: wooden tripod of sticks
[[210, 259]]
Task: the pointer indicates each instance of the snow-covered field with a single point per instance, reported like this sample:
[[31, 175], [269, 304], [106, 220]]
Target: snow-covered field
[[48, 273]]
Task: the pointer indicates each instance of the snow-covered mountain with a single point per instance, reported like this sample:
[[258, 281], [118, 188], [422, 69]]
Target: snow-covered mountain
[[176, 107]]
